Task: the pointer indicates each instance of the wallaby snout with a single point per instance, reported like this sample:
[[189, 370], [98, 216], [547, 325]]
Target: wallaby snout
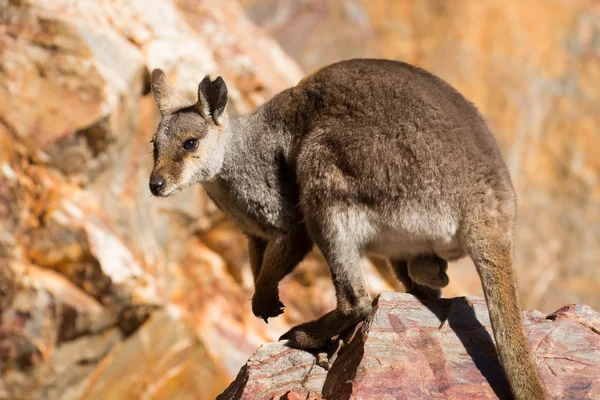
[[157, 183]]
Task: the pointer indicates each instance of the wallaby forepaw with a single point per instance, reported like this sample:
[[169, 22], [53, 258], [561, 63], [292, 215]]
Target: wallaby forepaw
[[300, 338], [266, 305]]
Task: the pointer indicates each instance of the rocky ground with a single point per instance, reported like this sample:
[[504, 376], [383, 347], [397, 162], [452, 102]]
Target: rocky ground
[[106, 292], [441, 349]]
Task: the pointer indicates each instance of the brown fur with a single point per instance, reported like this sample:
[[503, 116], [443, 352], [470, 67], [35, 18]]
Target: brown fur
[[362, 156]]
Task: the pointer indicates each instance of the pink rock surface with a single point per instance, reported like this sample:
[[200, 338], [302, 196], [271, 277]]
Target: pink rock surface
[[441, 350]]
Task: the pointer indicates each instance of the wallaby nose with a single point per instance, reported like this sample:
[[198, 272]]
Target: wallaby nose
[[157, 183]]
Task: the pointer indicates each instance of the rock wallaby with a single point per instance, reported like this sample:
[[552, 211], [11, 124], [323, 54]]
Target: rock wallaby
[[362, 156]]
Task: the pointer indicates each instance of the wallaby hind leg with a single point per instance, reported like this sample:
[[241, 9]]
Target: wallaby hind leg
[[492, 252], [343, 255], [401, 269]]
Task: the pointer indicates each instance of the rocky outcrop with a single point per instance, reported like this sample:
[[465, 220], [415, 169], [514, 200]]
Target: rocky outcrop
[[441, 349]]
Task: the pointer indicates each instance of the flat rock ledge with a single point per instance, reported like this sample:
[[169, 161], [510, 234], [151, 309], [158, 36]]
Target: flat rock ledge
[[442, 349]]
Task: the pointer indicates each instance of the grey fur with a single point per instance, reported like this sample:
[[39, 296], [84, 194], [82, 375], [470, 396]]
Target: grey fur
[[362, 156]]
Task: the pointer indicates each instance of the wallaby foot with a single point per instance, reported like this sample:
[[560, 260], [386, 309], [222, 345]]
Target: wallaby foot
[[429, 270], [401, 268], [316, 334], [266, 304]]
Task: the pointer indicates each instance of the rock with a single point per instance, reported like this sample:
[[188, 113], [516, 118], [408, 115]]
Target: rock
[[162, 360], [219, 310], [86, 257], [74, 240], [54, 62], [274, 371], [441, 349], [51, 332]]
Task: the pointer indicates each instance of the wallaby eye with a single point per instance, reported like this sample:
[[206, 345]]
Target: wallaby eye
[[190, 144]]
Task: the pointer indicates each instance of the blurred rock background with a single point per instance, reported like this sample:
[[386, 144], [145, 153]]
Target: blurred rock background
[[106, 292]]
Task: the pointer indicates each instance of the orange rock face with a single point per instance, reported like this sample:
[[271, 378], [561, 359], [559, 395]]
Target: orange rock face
[[103, 290]]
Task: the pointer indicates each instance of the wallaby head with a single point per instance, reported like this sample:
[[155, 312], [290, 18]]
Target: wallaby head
[[189, 141]]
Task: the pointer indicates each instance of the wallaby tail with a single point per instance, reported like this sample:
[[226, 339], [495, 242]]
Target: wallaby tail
[[493, 258]]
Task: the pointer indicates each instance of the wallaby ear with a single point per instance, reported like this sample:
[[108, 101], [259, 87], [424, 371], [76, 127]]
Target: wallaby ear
[[165, 94], [212, 100]]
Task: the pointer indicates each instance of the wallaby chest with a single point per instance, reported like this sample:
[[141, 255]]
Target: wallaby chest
[[249, 219], [257, 203]]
